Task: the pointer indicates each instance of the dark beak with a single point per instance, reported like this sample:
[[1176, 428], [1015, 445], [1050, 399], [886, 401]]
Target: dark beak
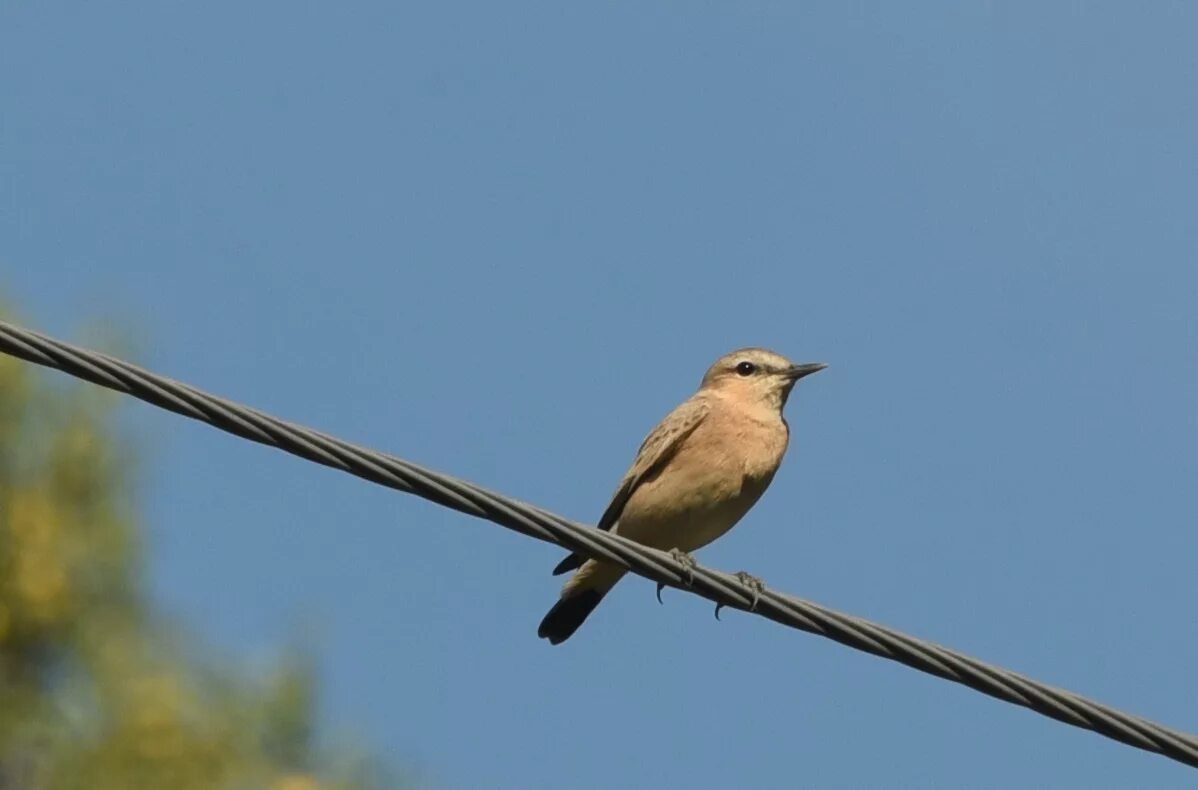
[[796, 372]]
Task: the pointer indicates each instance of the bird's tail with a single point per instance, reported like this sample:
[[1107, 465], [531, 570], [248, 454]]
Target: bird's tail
[[567, 614], [581, 594]]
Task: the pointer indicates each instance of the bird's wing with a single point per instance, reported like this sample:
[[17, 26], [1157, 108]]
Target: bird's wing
[[654, 453], [657, 449]]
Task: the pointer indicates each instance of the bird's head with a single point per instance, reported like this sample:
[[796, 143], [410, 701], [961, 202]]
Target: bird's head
[[756, 375]]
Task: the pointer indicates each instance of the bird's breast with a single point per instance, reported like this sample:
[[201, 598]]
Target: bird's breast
[[708, 485]]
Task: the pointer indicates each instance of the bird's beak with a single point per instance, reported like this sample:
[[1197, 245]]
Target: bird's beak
[[796, 372]]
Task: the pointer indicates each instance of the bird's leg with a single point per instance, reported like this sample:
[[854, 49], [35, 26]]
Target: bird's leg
[[688, 566], [753, 584]]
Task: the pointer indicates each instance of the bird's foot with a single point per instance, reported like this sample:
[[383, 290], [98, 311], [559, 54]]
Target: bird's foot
[[688, 566], [687, 562], [752, 584]]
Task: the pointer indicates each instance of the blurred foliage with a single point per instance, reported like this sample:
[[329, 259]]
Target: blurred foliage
[[96, 690]]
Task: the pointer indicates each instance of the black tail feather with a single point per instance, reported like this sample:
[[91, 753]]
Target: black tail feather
[[568, 564], [567, 614]]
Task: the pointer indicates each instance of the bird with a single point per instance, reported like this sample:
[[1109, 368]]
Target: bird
[[694, 477]]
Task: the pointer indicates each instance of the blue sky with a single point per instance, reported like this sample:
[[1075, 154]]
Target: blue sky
[[504, 239]]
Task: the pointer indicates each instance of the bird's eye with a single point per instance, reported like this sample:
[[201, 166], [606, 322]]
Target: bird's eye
[[746, 368]]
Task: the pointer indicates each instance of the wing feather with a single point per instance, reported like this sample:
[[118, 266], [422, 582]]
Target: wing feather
[[654, 453]]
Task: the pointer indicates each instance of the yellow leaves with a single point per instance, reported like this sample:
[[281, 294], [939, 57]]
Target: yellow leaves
[[295, 782], [37, 587], [65, 554], [11, 369], [97, 688], [14, 379], [154, 707], [31, 515], [41, 583], [80, 459], [14, 400]]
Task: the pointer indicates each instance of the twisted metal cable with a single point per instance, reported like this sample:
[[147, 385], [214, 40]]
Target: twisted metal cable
[[658, 566]]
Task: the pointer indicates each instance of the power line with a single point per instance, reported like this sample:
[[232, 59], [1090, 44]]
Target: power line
[[656, 565]]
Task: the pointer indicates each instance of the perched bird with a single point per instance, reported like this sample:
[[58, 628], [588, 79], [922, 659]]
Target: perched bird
[[696, 474]]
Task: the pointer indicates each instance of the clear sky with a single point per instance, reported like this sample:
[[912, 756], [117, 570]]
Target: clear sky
[[503, 239]]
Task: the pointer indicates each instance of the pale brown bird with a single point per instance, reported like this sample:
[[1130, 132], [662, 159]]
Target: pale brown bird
[[696, 474]]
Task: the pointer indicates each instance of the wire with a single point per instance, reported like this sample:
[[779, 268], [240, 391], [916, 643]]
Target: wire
[[656, 565]]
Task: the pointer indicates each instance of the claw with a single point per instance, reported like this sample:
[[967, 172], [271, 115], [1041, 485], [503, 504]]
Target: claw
[[755, 585], [688, 564]]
